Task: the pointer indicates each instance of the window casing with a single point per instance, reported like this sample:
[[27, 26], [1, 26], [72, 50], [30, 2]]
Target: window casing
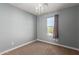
[[52, 26]]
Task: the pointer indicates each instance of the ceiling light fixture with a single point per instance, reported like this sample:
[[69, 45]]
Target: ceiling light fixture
[[40, 8]]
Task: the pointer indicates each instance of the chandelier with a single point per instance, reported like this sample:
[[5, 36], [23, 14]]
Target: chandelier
[[40, 8]]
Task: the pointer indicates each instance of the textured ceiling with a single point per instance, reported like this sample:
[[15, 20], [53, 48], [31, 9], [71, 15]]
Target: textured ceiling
[[30, 7]]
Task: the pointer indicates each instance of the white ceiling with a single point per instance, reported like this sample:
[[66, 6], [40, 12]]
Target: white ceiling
[[30, 7]]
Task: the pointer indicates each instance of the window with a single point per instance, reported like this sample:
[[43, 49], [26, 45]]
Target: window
[[52, 26]]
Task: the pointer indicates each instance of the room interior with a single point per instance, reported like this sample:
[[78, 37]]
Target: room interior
[[24, 28]]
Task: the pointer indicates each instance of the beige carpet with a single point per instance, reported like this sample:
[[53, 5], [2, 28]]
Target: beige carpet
[[41, 48]]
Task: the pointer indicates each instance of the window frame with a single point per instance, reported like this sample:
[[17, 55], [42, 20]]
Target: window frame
[[55, 34], [47, 26]]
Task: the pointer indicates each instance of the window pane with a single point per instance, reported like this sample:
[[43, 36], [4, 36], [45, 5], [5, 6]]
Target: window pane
[[50, 25]]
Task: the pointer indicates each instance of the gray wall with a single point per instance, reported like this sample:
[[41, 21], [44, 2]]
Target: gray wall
[[67, 27], [78, 27], [16, 27]]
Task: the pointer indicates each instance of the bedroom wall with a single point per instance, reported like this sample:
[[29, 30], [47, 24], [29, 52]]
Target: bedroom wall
[[78, 27], [67, 27], [16, 27]]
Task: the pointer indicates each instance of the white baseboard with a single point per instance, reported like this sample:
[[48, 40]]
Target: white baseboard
[[59, 45], [41, 41], [17, 47]]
